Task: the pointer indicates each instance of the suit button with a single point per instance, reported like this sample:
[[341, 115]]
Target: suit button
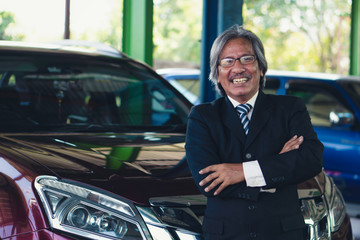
[[248, 156], [253, 235], [252, 207]]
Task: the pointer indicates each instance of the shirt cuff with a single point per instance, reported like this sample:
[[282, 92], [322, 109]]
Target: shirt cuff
[[253, 174]]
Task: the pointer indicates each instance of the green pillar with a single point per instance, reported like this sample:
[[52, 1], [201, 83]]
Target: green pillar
[[137, 39], [355, 39]]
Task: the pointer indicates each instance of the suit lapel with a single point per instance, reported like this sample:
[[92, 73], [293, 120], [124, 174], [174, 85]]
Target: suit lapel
[[232, 121], [259, 117]]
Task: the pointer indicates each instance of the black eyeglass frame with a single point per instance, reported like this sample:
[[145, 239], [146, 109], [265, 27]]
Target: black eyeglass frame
[[241, 59]]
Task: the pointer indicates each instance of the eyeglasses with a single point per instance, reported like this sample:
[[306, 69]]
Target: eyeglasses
[[229, 62]]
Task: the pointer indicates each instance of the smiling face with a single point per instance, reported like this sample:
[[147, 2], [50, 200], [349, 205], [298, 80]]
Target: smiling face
[[240, 82]]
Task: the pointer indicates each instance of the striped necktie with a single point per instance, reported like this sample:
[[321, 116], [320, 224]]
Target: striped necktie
[[243, 110]]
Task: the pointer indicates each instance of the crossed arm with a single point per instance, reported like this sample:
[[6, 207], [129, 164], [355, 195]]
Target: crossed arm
[[225, 174]]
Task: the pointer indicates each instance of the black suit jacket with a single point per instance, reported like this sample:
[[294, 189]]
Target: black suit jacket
[[215, 135]]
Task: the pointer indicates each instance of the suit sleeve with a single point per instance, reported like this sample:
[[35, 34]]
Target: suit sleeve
[[298, 165], [202, 151]]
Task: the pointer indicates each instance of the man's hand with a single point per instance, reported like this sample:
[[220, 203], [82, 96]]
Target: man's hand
[[222, 175], [226, 174], [292, 144]]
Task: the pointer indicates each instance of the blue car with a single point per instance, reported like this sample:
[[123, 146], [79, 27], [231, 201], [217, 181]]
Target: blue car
[[333, 102], [185, 80]]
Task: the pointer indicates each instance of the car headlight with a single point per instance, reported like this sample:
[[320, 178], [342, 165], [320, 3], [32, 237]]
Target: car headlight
[[77, 209]]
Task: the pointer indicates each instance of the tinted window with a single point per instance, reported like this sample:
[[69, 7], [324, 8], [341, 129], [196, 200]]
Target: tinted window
[[271, 85], [352, 88], [320, 101]]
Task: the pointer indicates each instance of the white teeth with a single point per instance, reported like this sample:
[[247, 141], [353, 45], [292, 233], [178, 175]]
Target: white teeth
[[239, 80]]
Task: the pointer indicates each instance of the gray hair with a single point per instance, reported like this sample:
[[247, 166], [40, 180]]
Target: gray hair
[[233, 32]]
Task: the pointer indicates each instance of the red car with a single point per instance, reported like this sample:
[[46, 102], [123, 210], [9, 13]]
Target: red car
[[92, 147]]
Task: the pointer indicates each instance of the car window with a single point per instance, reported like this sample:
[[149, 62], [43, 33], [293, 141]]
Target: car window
[[188, 86], [73, 93], [320, 102], [352, 88], [271, 85], [191, 84]]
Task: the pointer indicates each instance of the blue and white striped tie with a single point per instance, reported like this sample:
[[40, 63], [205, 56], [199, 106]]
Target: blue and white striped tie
[[243, 110]]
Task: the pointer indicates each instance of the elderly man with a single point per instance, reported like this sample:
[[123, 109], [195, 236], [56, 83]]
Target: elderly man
[[248, 150]]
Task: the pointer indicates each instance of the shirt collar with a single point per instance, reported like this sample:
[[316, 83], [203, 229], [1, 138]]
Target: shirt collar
[[251, 101]]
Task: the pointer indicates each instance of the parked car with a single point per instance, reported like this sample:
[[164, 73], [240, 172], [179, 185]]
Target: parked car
[[185, 80], [333, 102], [92, 147]]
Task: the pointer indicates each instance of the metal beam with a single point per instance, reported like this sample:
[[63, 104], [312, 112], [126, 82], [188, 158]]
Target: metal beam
[[218, 15], [230, 13], [355, 39], [67, 20], [209, 33], [137, 40]]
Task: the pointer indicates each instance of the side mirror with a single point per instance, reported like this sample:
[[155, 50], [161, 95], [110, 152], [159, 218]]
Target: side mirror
[[341, 118]]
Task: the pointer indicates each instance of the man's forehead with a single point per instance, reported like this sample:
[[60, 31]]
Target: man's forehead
[[238, 42]]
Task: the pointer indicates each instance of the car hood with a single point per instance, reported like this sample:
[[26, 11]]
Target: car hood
[[136, 166]]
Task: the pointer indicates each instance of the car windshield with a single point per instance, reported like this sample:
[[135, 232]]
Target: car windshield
[[57, 93]]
